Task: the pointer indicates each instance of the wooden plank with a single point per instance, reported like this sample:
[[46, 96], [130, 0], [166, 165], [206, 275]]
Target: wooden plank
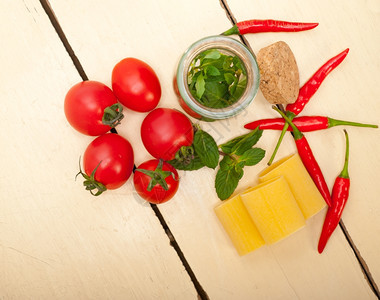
[[56, 240], [349, 93], [102, 34]]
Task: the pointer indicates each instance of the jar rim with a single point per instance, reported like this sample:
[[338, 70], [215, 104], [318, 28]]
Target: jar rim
[[223, 43]]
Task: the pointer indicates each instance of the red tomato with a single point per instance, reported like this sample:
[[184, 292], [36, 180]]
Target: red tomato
[[136, 85], [113, 157], [164, 131], [157, 194], [84, 107]]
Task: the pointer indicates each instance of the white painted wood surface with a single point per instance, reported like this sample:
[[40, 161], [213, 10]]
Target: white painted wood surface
[[57, 241]]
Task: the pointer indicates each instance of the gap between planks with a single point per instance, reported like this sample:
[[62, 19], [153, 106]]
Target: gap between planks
[[363, 265]]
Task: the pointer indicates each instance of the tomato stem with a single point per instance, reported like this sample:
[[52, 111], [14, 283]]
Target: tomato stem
[[113, 115], [157, 176], [185, 154], [90, 183]]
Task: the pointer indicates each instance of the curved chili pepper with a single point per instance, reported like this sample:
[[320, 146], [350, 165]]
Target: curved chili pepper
[[256, 26], [339, 198], [304, 124], [308, 159], [307, 91], [313, 84]]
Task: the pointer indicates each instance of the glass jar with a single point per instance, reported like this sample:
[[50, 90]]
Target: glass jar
[[227, 46]]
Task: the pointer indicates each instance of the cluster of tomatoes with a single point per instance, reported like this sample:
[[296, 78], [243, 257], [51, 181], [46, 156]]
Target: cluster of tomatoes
[[94, 109]]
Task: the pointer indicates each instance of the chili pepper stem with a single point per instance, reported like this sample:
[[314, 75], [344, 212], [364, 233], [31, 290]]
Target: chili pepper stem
[[334, 122], [297, 134], [231, 31], [344, 173], [284, 129]]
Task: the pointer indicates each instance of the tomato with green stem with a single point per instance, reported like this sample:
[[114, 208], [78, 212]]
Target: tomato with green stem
[[108, 163], [92, 108], [164, 131], [156, 181]]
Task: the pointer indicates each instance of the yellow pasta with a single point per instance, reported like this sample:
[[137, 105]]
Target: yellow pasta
[[302, 186], [236, 221], [273, 209]]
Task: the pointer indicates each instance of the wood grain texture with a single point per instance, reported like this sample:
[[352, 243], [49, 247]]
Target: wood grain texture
[[290, 269], [56, 240]]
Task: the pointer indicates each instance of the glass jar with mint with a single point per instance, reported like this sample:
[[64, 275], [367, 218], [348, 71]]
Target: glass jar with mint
[[217, 77]]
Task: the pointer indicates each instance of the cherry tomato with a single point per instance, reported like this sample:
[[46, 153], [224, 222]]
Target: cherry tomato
[[156, 181], [108, 160], [164, 131], [136, 85], [85, 104]]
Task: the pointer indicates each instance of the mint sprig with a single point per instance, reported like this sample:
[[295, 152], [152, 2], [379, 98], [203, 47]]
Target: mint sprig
[[236, 153]]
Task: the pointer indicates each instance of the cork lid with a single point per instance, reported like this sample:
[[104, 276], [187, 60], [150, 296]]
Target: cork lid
[[279, 81]]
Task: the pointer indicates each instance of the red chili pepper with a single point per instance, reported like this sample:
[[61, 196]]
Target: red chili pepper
[[308, 159], [313, 84], [304, 124], [339, 198], [307, 91], [256, 26]]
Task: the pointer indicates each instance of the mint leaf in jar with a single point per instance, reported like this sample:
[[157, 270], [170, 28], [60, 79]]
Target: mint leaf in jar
[[200, 86], [216, 78]]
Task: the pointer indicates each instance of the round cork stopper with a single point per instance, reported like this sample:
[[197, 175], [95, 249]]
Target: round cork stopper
[[279, 81]]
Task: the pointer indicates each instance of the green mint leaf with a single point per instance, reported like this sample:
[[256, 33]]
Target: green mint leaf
[[217, 78], [226, 182], [238, 65], [229, 78], [212, 54], [215, 91], [228, 146], [233, 86], [212, 71], [228, 63], [227, 163], [200, 86], [239, 168], [206, 148], [239, 88], [247, 142], [252, 156], [193, 80]]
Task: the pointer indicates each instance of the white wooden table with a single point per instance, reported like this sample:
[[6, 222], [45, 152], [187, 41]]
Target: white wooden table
[[59, 242]]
